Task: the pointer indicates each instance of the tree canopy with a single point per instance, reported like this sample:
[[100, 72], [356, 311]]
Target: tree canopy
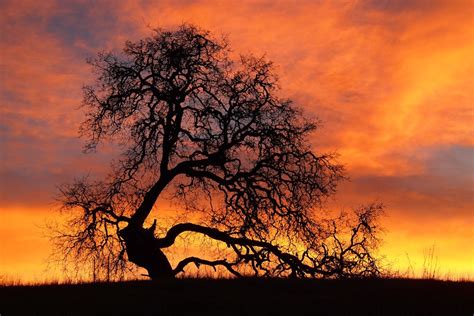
[[215, 132]]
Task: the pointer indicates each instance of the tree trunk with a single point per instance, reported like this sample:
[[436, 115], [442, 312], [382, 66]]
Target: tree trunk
[[143, 251]]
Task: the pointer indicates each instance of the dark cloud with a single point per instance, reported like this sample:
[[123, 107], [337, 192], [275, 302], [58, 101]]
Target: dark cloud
[[91, 23], [444, 189], [399, 6], [27, 187], [35, 158], [454, 164]]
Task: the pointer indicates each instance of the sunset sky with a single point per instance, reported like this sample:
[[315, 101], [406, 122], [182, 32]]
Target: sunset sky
[[391, 81]]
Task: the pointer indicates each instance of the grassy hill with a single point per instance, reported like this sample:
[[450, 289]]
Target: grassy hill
[[243, 297]]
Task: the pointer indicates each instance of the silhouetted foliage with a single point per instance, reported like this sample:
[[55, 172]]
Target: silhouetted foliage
[[214, 133]]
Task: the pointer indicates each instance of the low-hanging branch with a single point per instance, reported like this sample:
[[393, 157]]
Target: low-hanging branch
[[198, 261], [330, 265], [296, 264]]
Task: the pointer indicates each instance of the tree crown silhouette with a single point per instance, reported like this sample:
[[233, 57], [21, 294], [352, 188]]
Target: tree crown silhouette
[[215, 133]]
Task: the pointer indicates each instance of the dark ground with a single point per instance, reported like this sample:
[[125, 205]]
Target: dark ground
[[243, 297]]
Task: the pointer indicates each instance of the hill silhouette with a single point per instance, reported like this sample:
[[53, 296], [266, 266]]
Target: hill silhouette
[[243, 297]]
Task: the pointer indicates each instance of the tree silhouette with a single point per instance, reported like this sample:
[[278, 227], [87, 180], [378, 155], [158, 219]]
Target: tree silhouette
[[214, 133]]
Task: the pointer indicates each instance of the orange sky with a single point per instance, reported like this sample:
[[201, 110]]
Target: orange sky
[[391, 81]]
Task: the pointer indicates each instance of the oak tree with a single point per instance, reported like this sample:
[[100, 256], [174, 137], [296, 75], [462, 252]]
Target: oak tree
[[216, 134]]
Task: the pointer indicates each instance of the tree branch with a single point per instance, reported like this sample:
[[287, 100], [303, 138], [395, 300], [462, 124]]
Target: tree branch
[[198, 261]]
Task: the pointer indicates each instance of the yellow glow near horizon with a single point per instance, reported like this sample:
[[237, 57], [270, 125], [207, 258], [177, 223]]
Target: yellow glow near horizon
[[24, 257]]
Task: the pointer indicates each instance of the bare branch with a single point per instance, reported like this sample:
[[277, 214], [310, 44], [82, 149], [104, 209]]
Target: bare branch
[[189, 119]]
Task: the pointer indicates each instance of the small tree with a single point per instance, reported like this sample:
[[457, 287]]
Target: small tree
[[214, 132]]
